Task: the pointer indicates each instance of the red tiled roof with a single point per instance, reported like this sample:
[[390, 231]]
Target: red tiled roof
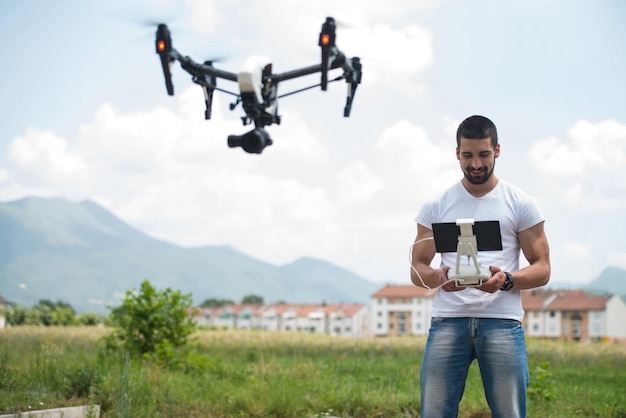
[[534, 300], [562, 300], [402, 291], [300, 310]]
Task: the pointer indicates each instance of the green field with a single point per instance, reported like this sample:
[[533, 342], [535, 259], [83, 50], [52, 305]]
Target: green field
[[268, 374]]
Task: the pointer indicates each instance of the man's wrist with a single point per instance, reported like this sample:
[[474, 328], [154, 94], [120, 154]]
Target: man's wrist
[[509, 282]]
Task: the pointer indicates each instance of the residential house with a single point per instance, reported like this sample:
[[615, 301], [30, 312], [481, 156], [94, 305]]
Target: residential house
[[229, 316], [335, 319], [574, 315], [559, 314], [401, 310], [4, 305]]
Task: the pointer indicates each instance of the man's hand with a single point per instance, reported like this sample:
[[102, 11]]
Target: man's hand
[[450, 286], [496, 281]]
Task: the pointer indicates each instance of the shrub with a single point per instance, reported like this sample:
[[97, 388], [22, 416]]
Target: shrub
[[152, 324]]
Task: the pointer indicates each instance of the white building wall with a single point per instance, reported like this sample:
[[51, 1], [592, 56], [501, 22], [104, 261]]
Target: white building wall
[[356, 325], [615, 314], [535, 323], [288, 323], [421, 313], [380, 317], [596, 327], [360, 323], [553, 324]]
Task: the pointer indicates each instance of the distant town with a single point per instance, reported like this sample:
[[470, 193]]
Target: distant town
[[401, 310]]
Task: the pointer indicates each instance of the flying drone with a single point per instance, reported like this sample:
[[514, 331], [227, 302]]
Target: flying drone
[[258, 86]]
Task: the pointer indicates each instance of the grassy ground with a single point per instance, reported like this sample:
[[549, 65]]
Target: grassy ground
[[265, 374]]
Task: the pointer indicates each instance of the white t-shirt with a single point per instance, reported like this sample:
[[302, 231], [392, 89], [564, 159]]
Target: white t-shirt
[[516, 211]]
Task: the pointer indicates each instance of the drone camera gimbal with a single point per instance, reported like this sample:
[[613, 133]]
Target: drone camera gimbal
[[252, 142]]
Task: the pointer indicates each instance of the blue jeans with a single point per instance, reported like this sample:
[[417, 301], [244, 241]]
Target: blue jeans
[[500, 349]]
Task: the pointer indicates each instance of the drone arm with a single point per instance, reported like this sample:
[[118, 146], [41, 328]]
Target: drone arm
[[197, 69], [203, 74], [276, 78], [340, 61]]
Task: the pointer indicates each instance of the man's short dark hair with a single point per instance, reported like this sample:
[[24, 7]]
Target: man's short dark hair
[[477, 127]]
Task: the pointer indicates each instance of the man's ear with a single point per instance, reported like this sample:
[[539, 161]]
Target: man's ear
[[497, 151]]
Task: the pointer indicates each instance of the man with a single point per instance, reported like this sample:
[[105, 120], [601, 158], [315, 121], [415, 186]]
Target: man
[[483, 322]]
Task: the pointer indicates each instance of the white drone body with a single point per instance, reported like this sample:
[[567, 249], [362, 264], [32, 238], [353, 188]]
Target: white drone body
[[250, 78]]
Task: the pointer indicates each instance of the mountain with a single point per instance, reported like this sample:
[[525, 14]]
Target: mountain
[[611, 280], [79, 253]]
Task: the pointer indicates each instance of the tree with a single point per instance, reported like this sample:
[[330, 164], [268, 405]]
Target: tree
[[151, 323], [89, 318], [216, 303], [16, 315], [252, 300], [50, 313]]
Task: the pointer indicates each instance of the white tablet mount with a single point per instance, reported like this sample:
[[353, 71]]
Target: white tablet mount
[[469, 274]]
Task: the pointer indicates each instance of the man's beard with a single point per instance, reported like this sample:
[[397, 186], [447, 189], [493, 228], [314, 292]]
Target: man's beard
[[481, 179]]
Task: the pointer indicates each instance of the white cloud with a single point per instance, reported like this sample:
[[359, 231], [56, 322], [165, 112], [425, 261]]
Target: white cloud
[[616, 258], [578, 251], [205, 16], [592, 148], [357, 184], [588, 170], [391, 52], [414, 164], [43, 157]]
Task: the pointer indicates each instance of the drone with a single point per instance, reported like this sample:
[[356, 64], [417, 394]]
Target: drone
[[258, 86]]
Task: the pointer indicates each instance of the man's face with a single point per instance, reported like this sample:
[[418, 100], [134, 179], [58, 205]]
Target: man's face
[[478, 159]]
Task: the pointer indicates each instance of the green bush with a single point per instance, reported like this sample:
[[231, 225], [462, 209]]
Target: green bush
[[89, 318], [80, 382], [152, 324]]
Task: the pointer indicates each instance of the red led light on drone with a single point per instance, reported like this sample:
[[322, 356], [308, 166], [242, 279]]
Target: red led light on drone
[[325, 39], [161, 45]]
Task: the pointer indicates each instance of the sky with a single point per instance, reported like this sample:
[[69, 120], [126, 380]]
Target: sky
[[84, 115]]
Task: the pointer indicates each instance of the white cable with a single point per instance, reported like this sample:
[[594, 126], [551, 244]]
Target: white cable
[[430, 290]]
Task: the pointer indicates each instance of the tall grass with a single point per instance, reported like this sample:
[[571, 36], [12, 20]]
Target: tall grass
[[269, 374]]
